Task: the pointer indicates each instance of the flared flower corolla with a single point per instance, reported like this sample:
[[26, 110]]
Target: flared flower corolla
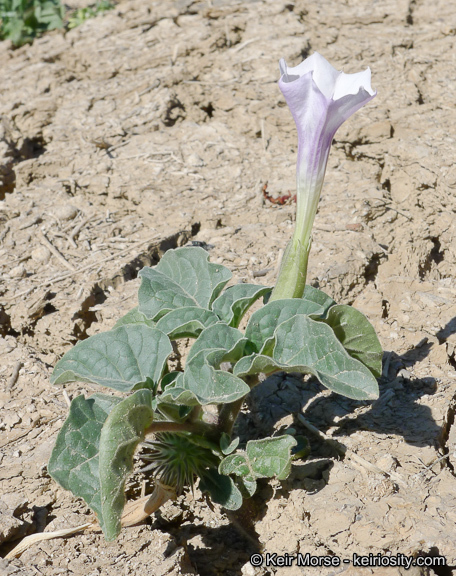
[[320, 99]]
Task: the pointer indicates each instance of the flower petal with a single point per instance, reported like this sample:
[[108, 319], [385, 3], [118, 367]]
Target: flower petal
[[352, 83]]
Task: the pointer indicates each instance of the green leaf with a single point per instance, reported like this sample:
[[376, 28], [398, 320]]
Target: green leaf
[[134, 317], [186, 322], [232, 304], [357, 336], [220, 343], [172, 411], [264, 321], [74, 461], [202, 381], [22, 21], [301, 344], [123, 430], [183, 277], [201, 384], [316, 296], [239, 465], [221, 489], [264, 458], [247, 487], [126, 358], [227, 445]]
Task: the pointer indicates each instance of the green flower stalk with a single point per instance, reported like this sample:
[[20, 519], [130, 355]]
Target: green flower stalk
[[320, 99]]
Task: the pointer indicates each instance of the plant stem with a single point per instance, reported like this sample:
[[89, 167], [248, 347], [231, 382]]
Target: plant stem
[[229, 412], [293, 270], [228, 415]]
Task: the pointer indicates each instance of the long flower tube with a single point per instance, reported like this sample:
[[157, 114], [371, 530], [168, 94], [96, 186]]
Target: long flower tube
[[320, 99]]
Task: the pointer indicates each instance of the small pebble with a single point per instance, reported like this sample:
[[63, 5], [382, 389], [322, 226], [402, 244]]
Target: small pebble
[[195, 160], [65, 212], [10, 419], [41, 254], [18, 272]]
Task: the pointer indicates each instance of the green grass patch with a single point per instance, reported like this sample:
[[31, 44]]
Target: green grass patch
[[23, 20]]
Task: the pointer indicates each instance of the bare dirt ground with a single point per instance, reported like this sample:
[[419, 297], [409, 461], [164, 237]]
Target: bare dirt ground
[[158, 124]]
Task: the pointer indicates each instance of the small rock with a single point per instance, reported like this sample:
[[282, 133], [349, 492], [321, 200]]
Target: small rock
[[405, 374], [65, 212], [10, 419], [41, 254], [10, 526], [18, 272], [248, 570], [16, 503], [195, 160]]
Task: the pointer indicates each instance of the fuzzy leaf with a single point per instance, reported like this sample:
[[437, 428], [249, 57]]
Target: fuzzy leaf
[[183, 277], [122, 432], [134, 317], [186, 322], [247, 487], [201, 384], [74, 461], [316, 296], [202, 381], [264, 321], [232, 304], [126, 358], [227, 445], [264, 458], [221, 489], [219, 343], [301, 344], [357, 336]]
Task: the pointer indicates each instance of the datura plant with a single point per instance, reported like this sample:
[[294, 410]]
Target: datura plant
[[184, 421]]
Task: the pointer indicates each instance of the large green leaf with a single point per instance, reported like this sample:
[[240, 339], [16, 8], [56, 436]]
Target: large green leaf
[[122, 432], [316, 296], [220, 343], [211, 386], [126, 358], [202, 381], [263, 458], [357, 335], [301, 344], [134, 317], [74, 461], [264, 321], [221, 489], [232, 304], [187, 322], [183, 277]]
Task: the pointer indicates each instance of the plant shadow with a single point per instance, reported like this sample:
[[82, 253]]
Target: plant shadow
[[398, 410]]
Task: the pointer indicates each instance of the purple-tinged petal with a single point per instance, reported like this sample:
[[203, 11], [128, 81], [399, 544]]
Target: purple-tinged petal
[[320, 99]]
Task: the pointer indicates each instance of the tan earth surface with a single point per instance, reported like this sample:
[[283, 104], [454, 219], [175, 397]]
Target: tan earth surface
[[157, 125]]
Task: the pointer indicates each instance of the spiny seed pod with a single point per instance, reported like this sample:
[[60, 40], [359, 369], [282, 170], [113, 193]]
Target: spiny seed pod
[[176, 460]]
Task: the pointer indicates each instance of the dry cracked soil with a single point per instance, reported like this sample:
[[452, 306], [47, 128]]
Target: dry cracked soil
[[157, 125]]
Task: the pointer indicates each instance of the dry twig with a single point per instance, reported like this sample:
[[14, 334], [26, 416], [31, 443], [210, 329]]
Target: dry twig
[[56, 253], [15, 375], [134, 513]]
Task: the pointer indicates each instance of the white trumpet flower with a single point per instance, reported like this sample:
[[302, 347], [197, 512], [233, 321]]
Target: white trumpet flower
[[320, 99]]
